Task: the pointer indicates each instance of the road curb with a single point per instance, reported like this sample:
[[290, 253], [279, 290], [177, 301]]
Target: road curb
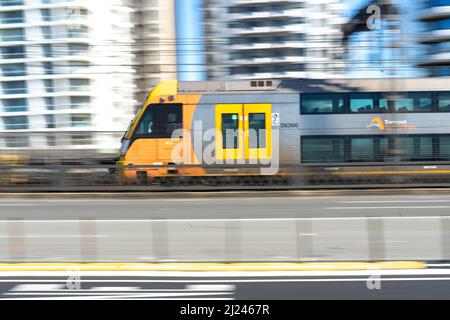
[[209, 267]]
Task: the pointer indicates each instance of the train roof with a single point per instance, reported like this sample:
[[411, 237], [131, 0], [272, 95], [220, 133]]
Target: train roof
[[319, 85]]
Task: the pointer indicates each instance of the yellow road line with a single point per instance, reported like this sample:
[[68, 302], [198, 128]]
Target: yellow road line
[[302, 266]]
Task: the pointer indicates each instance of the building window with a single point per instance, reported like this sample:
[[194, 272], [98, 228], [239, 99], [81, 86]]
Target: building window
[[48, 68], [81, 139], [5, 3], [49, 85], [14, 52], [77, 31], [49, 103], [15, 105], [46, 15], [76, 13], [78, 66], [11, 17], [16, 123], [79, 84], [313, 103], [50, 121], [14, 87], [75, 49], [17, 34], [51, 141], [13, 70], [17, 142], [46, 32], [82, 120], [80, 102], [47, 50]]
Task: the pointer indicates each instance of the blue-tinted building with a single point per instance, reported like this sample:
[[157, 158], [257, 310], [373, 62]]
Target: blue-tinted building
[[436, 19]]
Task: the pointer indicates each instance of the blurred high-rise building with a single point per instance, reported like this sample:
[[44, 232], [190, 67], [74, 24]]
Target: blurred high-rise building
[[66, 75], [273, 38], [436, 38], [155, 43]]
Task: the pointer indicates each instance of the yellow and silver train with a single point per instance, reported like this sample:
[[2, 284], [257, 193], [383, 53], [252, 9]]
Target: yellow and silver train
[[271, 130]]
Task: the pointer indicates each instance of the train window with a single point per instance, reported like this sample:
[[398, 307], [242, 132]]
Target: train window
[[257, 130], [375, 148], [423, 102], [414, 148], [313, 103], [362, 150], [402, 105], [411, 102], [444, 101], [364, 102], [322, 150], [230, 130], [160, 121], [444, 148]]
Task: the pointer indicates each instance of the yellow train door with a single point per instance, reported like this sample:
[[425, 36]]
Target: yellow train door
[[243, 131], [258, 131]]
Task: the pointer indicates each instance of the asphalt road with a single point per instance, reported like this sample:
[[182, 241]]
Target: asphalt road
[[213, 207], [414, 284]]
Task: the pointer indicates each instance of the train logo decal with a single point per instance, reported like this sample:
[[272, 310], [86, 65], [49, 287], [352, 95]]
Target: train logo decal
[[384, 125], [377, 123]]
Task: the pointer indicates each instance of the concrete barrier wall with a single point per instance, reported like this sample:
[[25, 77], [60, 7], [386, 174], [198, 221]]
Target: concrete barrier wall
[[321, 239]]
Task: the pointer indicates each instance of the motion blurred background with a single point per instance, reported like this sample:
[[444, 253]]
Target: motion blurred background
[[74, 72]]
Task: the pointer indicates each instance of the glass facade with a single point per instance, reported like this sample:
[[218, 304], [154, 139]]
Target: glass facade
[[437, 43]]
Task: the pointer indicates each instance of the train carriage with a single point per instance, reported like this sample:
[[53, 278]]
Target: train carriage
[[269, 130]]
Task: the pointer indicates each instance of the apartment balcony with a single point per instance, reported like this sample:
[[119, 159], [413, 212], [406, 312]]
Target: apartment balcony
[[441, 59], [271, 31], [22, 5], [269, 45], [257, 2], [281, 14], [269, 61], [435, 13], [436, 36]]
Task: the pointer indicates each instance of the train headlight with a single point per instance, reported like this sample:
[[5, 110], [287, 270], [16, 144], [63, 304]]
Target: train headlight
[[124, 147]]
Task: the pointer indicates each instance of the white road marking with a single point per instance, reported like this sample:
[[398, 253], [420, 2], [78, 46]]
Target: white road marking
[[200, 287], [38, 287], [393, 201], [377, 208], [112, 298], [114, 289], [124, 295], [438, 265]]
